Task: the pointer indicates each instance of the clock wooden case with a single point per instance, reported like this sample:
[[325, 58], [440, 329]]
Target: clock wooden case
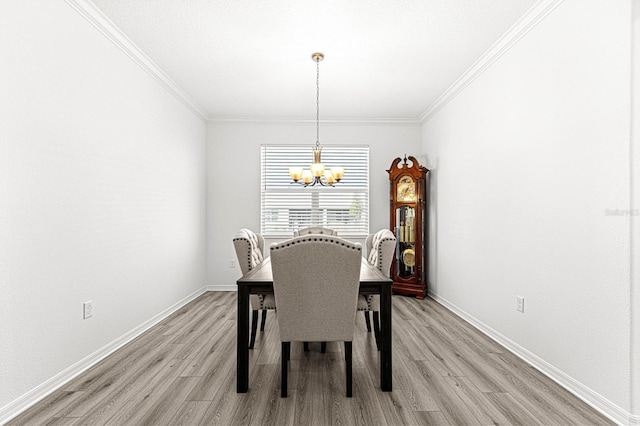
[[408, 214]]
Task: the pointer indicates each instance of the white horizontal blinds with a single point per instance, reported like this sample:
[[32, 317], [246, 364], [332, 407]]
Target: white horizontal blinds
[[286, 206]]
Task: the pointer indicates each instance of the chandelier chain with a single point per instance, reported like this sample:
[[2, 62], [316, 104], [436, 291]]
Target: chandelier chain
[[317, 102], [317, 174]]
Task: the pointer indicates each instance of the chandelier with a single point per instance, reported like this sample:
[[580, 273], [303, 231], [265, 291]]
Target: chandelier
[[317, 172]]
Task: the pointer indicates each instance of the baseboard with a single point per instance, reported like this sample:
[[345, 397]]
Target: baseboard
[[231, 287], [16, 407], [595, 400]]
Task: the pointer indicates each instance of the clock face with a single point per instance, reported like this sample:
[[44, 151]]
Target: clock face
[[406, 189], [409, 257]]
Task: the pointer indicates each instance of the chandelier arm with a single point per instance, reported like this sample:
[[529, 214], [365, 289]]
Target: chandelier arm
[[316, 180]]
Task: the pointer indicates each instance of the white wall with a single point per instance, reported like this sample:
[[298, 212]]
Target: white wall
[[102, 194], [635, 218], [233, 177], [531, 160]]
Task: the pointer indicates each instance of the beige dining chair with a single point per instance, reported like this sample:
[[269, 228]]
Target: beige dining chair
[[249, 248], [319, 230], [380, 249], [316, 281], [315, 230]]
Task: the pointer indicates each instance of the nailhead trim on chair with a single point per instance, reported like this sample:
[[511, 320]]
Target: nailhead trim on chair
[[314, 238], [313, 230], [248, 251], [380, 252], [260, 296], [370, 298]]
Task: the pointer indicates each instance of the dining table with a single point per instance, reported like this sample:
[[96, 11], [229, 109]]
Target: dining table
[[260, 281]]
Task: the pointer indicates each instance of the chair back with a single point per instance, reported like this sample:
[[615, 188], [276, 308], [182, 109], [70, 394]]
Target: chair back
[[313, 230], [316, 280], [380, 249], [249, 249]]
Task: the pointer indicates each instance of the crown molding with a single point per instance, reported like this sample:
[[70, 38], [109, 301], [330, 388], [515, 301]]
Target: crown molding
[[95, 17], [326, 121], [526, 23]]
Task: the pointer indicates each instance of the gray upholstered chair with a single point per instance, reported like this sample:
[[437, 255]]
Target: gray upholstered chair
[[249, 251], [315, 281], [380, 249], [314, 230]]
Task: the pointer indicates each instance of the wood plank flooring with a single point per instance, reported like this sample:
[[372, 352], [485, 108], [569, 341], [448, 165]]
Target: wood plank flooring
[[182, 372]]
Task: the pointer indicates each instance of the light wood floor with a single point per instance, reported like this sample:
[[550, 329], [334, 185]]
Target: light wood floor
[[183, 372]]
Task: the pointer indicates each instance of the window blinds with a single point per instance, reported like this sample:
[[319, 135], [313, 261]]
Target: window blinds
[[287, 206]]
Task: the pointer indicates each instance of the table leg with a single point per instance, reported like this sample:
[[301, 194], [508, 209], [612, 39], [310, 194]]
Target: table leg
[[242, 379], [385, 335]]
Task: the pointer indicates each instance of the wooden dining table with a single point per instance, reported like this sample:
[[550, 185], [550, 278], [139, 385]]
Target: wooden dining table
[[260, 281]]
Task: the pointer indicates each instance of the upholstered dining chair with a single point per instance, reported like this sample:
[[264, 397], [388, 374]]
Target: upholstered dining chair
[[315, 230], [319, 230], [315, 281], [380, 248], [249, 248]]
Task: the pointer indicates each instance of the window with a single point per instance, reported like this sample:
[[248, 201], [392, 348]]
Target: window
[[285, 206], [298, 218]]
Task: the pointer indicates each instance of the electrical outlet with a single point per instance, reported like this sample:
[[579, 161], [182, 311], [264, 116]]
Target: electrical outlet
[[232, 263], [520, 304], [87, 309]]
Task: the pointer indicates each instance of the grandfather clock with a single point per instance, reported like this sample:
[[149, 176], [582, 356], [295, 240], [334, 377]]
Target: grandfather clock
[[408, 215]]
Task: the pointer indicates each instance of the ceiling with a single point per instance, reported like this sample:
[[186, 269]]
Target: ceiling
[[251, 59]]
